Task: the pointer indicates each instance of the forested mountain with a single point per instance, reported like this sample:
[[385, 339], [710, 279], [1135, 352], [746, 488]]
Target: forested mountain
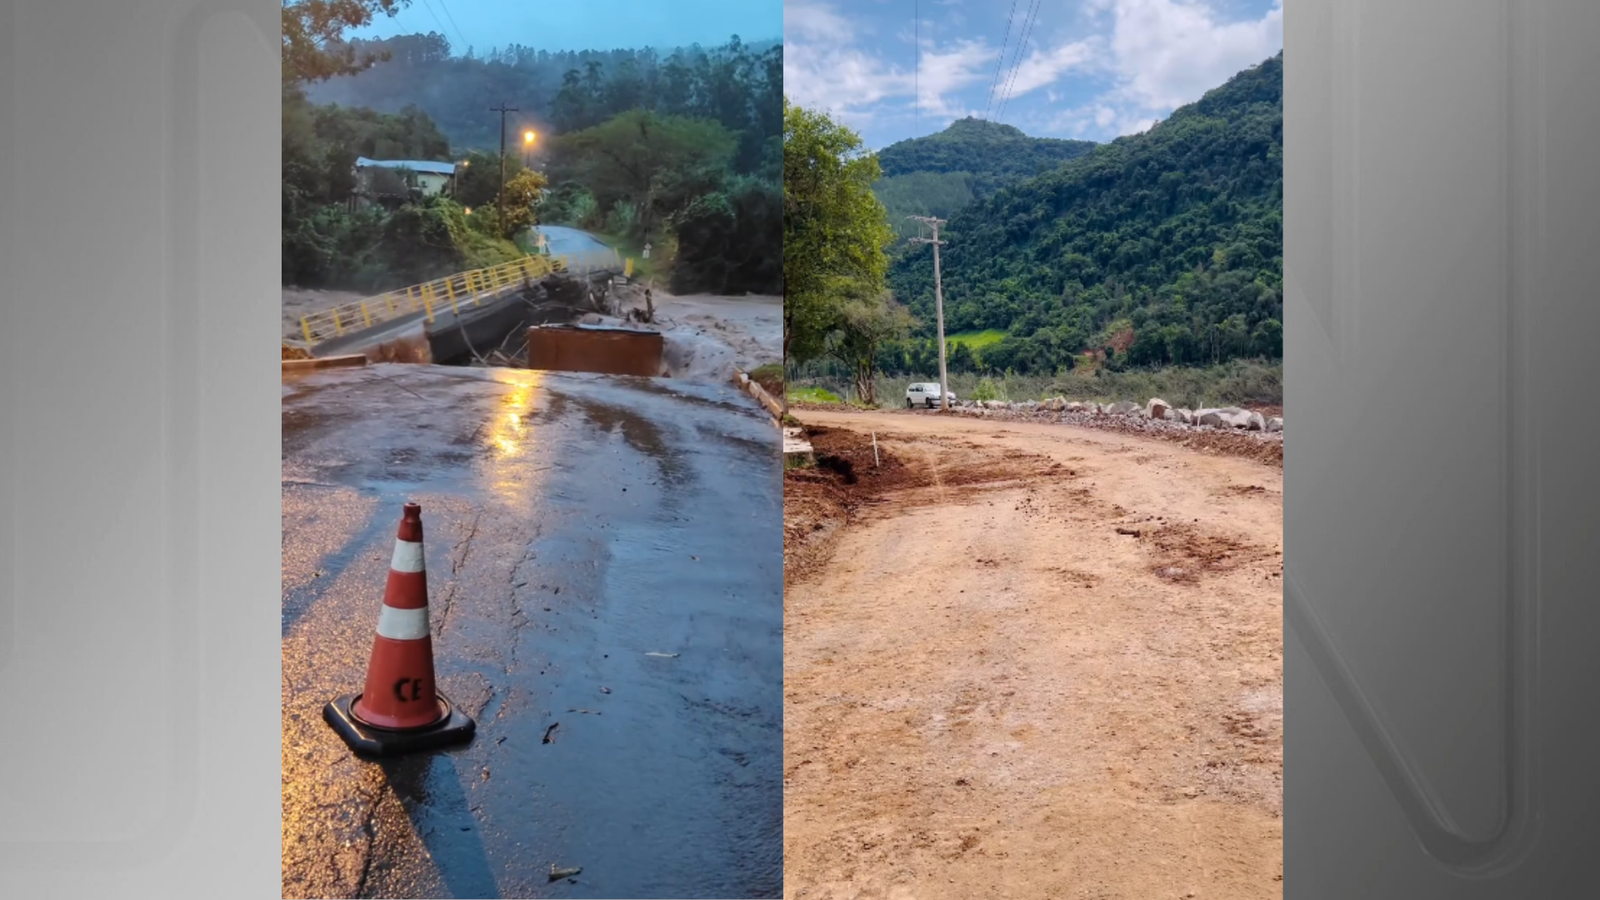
[[1164, 247], [939, 174], [992, 154], [561, 91]]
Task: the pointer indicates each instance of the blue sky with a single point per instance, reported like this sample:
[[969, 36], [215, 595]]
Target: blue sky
[[1091, 69], [585, 24]]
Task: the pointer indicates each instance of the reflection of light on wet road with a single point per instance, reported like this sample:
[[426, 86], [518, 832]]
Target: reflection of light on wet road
[[512, 439]]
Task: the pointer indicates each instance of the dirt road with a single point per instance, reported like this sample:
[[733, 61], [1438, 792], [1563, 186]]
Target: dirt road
[[1037, 661]]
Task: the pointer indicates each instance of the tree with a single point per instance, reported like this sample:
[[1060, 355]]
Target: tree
[[865, 325], [522, 195], [656, 162], [313, 32], [478, 182], [834, 229]]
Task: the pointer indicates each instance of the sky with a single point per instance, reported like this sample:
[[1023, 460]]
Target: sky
[[1088, 69], [584, 24]]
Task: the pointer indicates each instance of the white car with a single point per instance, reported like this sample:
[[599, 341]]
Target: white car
[[925, 395]]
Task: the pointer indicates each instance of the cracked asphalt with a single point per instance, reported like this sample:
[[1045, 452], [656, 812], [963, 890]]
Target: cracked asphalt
[[605, 570]]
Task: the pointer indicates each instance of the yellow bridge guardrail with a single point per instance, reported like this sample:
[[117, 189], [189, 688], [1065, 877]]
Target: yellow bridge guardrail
[[453, 292]]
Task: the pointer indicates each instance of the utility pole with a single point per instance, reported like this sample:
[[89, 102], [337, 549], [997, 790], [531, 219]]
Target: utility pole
[[938, 303], [502, 109]]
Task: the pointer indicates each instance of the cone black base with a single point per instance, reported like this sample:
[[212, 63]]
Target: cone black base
[[365, 740]]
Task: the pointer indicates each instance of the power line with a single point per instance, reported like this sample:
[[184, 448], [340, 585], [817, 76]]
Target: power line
[[1016, 62], [446, 7], [442, 29], [916, 77], [938, 303], [1001, 61], [1028, 32]]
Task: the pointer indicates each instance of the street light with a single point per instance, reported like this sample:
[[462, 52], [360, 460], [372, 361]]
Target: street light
[[528, 137]]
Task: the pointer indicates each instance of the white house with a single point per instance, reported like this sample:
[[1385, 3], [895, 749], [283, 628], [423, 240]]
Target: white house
[[432, 178]]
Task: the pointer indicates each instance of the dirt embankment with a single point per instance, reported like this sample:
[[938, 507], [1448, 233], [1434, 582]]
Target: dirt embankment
[[1263, 448], [1030, 660]]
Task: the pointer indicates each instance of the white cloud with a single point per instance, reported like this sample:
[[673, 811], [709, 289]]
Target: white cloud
[[1159, 55], [1041, 69], [808, 21], [1170, 52], [1155, 55], [946, 72], [825, 66]]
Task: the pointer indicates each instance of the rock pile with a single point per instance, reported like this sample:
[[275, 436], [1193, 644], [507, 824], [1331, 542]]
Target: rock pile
[[1156, 415]]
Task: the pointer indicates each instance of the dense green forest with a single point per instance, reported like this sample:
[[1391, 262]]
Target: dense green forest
[[565, 91], [941, 173], [1160, 248], [681, 150], [991, 154]]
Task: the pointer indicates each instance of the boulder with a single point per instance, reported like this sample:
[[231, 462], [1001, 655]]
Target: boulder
[[1275, 423], [1157, 408], [1234, 417], [1123, 408]]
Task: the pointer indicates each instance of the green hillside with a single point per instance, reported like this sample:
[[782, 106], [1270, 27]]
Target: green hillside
[[1165, 246], [989, 154], [941, 173]]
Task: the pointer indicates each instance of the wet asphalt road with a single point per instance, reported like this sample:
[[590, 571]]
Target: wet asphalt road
[[582, 246], [574, 524]]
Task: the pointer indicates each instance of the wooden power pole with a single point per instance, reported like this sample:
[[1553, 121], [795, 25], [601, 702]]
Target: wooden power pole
[[502, 109], [938, 303]]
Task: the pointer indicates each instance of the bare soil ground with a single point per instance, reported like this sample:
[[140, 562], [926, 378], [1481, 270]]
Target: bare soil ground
[[1028, 660], [1263, 448]]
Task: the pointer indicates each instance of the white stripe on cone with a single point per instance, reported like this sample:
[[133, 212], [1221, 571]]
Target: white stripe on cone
[[403, 624], [407, 557]]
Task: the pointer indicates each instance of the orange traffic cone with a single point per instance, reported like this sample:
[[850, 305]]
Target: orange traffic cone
[[400, 710]]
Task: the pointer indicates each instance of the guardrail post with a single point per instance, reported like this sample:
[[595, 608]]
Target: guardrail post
[[305, 329], [366, 315], [427, 303], [338, 326]]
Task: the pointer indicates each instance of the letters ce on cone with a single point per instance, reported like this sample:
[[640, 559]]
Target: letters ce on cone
[[400, 710]]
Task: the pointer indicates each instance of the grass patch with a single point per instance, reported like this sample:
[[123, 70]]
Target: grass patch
[[976, 340], [813, 394], [770, 377]]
